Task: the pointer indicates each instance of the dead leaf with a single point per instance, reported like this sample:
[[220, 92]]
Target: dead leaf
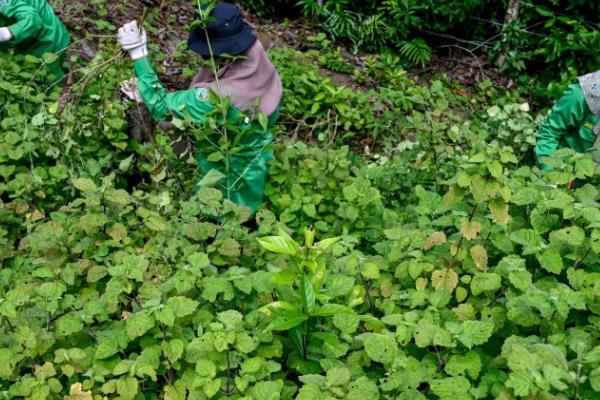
[[444, 279], [480, 256], [499, 210], [470, 230], [435, 239], [77, 393]]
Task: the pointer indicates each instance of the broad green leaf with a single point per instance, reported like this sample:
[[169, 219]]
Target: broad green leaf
[[327, 243], [286, 323], [138, 324], [475, 333], [85, 185], [127, 387], [451, 388], [267, 390], [69, 324], [551, 260], [595, 379], [232, 319], [182, 306], [7, 363], [338, 376], [106, 348], [329, 310], [361, 389], [381, 348], [211, 179], [485, 282], [370, 270], [531, 241], [206, 368], [346, 322], [173, 349], [525, 197], [279, 244], [572, 236], [461, 365]]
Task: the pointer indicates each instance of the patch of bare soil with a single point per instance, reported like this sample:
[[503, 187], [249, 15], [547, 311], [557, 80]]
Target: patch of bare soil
[[173, 18]]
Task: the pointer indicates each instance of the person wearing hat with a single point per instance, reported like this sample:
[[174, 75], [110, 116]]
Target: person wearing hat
[[32, 27], [573, 121], [250, 81]]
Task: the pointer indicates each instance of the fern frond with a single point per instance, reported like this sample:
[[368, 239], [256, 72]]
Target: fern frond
[[416, 52]]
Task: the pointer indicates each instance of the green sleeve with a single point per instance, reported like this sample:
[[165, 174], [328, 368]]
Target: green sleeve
[[566, 116], [28, 21], [162, 104]]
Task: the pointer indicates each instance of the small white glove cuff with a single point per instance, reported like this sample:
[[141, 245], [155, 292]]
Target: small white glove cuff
[[5, 34], [138, 52]]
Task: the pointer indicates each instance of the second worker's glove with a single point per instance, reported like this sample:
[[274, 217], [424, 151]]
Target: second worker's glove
[[5, 35], [130, 91], [133, 40]]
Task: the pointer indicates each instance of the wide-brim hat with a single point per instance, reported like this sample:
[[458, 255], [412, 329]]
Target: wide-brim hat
[[228, 33]]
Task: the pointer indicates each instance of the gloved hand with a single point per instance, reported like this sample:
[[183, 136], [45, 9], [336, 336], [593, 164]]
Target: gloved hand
[[133, 40], [5, 34], [130, 91]]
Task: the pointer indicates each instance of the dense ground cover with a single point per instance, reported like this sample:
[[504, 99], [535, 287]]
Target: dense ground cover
[[407, 249]]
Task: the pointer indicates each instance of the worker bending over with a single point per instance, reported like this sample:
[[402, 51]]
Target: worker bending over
[[32, 27], [251, 82]]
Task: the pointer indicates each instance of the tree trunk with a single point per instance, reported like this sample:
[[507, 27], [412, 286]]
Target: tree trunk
[[512, 14]]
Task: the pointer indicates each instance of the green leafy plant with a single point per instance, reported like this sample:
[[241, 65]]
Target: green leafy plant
[[298, 313]]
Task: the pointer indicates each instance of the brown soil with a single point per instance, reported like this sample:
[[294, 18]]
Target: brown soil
[[467, 69]]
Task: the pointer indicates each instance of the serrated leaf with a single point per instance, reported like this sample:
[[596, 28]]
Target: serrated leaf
[[475, 333], [572, 236], [551, 260], [444, 279], [338, 376], [370, 270], [435, 239], [85, 185], [451, 388], [470, 230], [479, 256], [381, 348], [138, 324], [485, 282], [499, 209], [182, 306], [127, 387]]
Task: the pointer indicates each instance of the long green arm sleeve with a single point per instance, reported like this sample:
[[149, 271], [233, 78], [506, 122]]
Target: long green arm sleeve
[[566, 116], [162, 104], [28, 22]]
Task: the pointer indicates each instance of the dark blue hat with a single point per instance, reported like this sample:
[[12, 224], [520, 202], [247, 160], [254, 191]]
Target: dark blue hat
[[228, 33]]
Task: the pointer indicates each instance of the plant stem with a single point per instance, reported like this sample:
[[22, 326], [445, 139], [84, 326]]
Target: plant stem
[[577, 378]]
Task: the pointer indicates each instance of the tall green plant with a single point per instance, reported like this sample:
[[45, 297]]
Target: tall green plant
[[299, 311]]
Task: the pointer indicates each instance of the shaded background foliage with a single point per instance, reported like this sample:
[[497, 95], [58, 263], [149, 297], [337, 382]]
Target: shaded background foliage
[[555, 40]]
